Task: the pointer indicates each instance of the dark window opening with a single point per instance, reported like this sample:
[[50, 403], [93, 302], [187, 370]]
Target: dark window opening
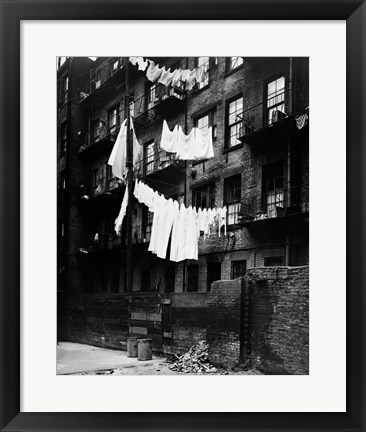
[[192, 272], [204, 196], [147, 217], [232, 197], [113, 120], [238, 268], [213, 273]]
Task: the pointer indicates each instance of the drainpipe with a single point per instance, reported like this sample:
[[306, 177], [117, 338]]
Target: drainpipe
[[288, 170], [185, 179]]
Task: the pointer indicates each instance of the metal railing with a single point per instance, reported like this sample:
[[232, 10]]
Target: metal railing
[[110, 240], [157, 161], [103, 185], [275, 204], [272, 110]]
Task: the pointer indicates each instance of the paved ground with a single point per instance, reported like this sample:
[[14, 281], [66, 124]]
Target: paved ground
[[76, 358], [79, 359]]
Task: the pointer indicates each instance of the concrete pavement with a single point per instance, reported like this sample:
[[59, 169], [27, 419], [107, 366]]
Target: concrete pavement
[[76, 358]]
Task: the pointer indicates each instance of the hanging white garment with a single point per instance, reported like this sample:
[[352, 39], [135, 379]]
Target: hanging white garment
[[191, 250], [153, 72], [191, 80], [200, 74], [164, 76], [185, 74], [142, 64], [117, 158], [136, 191], [158, 206], [122, 213], [203, 146], [185, 145], [174, 244], [177, 76], [167, 218], [134, 60], [169, 139]]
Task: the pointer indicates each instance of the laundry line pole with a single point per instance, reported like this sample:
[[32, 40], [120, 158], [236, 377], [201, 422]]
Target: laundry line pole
[[129, 180]]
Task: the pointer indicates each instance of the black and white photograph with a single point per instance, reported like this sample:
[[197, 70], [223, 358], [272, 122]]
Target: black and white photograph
[[182, 216]]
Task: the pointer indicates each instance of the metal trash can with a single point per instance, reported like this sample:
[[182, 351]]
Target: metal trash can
[[132, 347], [144, 349]]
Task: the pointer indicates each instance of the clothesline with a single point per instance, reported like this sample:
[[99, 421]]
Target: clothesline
[[183, 225]]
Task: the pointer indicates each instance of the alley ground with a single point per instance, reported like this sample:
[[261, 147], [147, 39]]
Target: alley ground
[[79, 359]]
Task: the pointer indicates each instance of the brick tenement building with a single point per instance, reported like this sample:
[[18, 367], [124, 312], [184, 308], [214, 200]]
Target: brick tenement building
[[260, 171]]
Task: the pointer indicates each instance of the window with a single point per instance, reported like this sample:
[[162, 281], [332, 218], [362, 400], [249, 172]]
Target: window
[[192, 272], [96, 130], [275, 99], [152, 95], [203, 63], [275, 261], [145, 280], [234, 121], [115, 65], [149, 158], [63, 138], [273, 192], [232, 191], [113, 119], [205, 121], [109, 174], [204, 196], [60, 61], [234, 62], [147, 223], [238, 268], [213, 273], [94, 180], [97, 79], [169, 278], [65, 89]]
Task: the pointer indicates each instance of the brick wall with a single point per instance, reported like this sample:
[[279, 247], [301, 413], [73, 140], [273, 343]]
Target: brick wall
[[277, 333], [261, 320], [224, 322]]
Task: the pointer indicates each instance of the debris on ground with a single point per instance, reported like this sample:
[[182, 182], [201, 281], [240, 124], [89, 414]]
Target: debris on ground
[[195, 360]]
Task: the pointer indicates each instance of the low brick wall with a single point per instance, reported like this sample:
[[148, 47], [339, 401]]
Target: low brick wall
[[223, 332], [261, 320], [276, 336]]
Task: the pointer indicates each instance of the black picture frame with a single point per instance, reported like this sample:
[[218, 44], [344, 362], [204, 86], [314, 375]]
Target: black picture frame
[[12, 12]]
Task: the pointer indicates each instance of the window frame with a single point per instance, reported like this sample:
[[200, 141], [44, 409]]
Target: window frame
[[266, 98], [197, 87], [210, 196], [235, 271], [114, 128], [229, 68], [65, 89], [212, 121], [235, 201], [237, 123], [147, 161]]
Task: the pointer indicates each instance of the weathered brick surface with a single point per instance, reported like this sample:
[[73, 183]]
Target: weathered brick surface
[[279, 319], [223, 331], [261, 320]]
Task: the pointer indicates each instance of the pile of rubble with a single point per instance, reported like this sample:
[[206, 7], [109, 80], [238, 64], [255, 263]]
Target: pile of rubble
[[193, 361]]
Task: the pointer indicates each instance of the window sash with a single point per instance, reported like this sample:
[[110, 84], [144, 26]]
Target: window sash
[[149, 158], [238, 268], [234, 121], [235, 62]]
